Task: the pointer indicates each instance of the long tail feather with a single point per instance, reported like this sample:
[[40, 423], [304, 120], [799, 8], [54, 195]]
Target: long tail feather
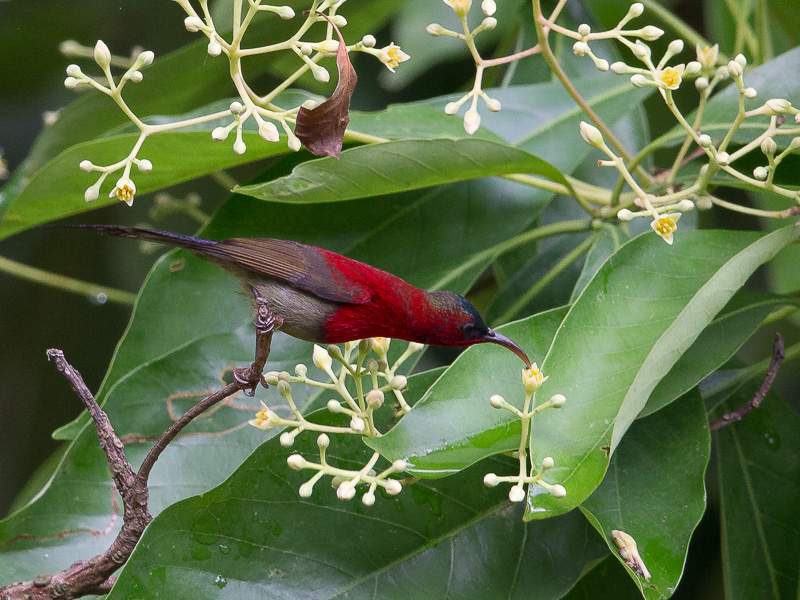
[[150, 235]]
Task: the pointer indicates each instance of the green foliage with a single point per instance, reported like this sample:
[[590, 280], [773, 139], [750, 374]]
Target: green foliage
[[647, 340]]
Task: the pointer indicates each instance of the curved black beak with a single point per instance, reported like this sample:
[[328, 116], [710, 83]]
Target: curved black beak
[[498, 338]]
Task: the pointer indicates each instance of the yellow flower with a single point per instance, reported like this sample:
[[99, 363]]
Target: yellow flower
[[125, 190], [665, 225], [707, 56], [392, 56], [532, 378], [265, 418], [460, 7], [671, 77]]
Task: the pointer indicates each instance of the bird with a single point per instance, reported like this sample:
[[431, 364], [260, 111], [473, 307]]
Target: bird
[[324, 297]]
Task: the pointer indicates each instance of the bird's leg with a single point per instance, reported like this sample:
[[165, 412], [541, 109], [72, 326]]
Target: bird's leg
[[266, 323]]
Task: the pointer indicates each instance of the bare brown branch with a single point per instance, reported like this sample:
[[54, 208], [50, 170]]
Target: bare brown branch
[[778, 354]]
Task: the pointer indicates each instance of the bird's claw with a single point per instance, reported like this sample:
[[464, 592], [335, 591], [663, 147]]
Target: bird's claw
[[248, 380]]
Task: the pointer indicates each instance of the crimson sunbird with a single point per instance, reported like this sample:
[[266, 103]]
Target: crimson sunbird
[[328, 298]]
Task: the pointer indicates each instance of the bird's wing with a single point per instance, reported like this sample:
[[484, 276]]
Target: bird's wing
[[299, 265]]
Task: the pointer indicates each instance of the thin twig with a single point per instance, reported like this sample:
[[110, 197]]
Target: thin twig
[[778, 354], [94, 577]]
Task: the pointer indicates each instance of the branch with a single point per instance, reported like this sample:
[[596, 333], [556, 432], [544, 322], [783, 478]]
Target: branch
[[93, 577], [778, 354]]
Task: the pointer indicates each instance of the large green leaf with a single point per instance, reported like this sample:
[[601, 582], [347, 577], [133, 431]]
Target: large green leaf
[[731, 328], [654, 491], [759, 480], [642, 310], [391, 167], [255, 537]]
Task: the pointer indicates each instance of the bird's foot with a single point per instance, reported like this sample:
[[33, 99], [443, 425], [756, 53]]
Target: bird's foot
[[266, 322]]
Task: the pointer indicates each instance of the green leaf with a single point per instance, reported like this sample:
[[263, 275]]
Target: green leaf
[[654, 491], [608, 576], [255, 537], [391, 167], [759, 471], [729, 330], [640, 312], [610, 240]]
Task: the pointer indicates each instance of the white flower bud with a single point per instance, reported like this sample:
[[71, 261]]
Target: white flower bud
[[740, 58], [306, 489], [368, 499], [375, 399], [214, 49], [760, 173], [92, 193], [434, 29], [797, 118], [193, 24], [294, 143], [636, 10], [146, 58], [701, 83], [548, 462], [346, 491], [306, 50], [74, 71], [749, 93], [328, 46], [136, 76], [516, 493], [334, 406], [489, 7], [296, 462], [493, 105], [239, 147], [722, 73], [70, 83], [320, 74], [675, 47], [490, 480], [286, 439], [451, 108], [416, 347], [704, 140], [620, 68], [393, 487], [310, 104], [286, 12], [86, 165], [368, 41], [584, 30], [600, 63], [497, 401], [794, 144], [321, 358], [339, 21], [558, 491], [768, 146], [723, 159], [357, 424], [399, 466], [323, 441], [591, 135], [219, 133], [624, 215], [145, 165], [300, 370], [236, 108], [704, 203], [284, 389], [102, 55], [580, 48], [777, 106], [639, 80], [735, 69], [685, 205], [399, 382], [489, 23], [693, 68], [472, 121], [650, 33], [558, 400]]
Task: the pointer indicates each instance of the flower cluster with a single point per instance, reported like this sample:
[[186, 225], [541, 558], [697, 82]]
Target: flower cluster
[[532, 379], [372, 378], [270, 118]]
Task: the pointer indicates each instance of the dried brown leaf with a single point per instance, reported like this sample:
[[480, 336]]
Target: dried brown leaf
[[321, 129]]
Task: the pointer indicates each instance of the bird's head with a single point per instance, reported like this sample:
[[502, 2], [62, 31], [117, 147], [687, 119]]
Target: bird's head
[[468, 327]]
